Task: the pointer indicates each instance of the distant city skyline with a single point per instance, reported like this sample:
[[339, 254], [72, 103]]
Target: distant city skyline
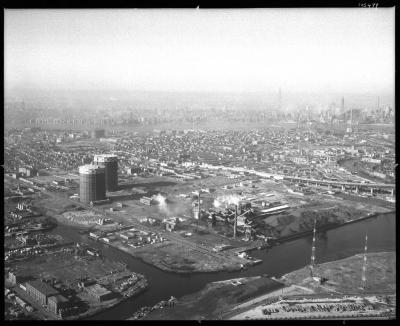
[[297, 50]]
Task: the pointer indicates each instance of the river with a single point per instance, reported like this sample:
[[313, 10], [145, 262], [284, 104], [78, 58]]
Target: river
[[330, 245]]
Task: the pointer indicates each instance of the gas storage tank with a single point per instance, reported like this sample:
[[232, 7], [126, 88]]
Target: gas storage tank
[[92, 183], [110, 164]]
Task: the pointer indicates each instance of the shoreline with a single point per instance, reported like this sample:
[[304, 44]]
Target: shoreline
[[84, 316], [204, 302], [272, 243], [165, 268], [299, 235]]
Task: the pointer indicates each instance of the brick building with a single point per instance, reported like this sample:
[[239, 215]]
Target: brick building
[[40, 291]]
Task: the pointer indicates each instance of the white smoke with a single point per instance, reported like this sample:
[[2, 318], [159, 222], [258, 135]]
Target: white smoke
[[228, 199], [162, 201], [171, 208], [216, 203]]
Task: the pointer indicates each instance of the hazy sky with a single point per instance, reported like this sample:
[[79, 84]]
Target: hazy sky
[[212, 50]]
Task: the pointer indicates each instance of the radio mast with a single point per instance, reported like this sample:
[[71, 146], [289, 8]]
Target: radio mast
[[364, 267], [312, 263]]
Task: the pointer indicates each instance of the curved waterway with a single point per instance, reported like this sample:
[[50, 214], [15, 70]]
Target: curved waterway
[[331, 245]]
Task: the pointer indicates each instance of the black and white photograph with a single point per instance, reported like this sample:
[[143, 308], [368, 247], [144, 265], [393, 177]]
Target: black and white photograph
[[199, 163]]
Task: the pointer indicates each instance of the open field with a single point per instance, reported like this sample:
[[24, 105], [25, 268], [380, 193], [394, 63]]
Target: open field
[[344, 275]]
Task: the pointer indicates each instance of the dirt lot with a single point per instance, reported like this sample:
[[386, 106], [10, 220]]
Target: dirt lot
[[67, 267], [181, 259]]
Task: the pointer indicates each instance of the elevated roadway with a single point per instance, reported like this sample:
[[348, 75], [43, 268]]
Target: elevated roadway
[[342, 183]]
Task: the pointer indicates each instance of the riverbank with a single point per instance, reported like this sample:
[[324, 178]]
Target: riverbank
[[215, 298], [325, 227], [137, 289], [176, 263], [338, 243], [181, 259], [238, 298], [179, 255]]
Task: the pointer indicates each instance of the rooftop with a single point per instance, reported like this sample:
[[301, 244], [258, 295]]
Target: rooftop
[[97, 289], [90, 168], [100, 158], [58, 298]]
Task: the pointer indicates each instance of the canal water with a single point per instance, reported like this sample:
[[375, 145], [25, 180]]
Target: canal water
[[330, 245]]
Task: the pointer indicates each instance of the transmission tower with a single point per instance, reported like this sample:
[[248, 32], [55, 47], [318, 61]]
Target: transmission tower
[[364, 267], [312, 263]]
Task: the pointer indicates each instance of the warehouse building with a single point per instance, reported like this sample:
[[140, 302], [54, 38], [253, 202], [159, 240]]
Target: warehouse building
[[40, 291], [98, 292]]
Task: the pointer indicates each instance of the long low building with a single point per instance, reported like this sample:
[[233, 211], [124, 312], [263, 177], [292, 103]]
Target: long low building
[[99, 292], [273, 209]]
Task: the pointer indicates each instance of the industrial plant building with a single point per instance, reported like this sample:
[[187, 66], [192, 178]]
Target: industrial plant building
[[110, 164], [92, 183]]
